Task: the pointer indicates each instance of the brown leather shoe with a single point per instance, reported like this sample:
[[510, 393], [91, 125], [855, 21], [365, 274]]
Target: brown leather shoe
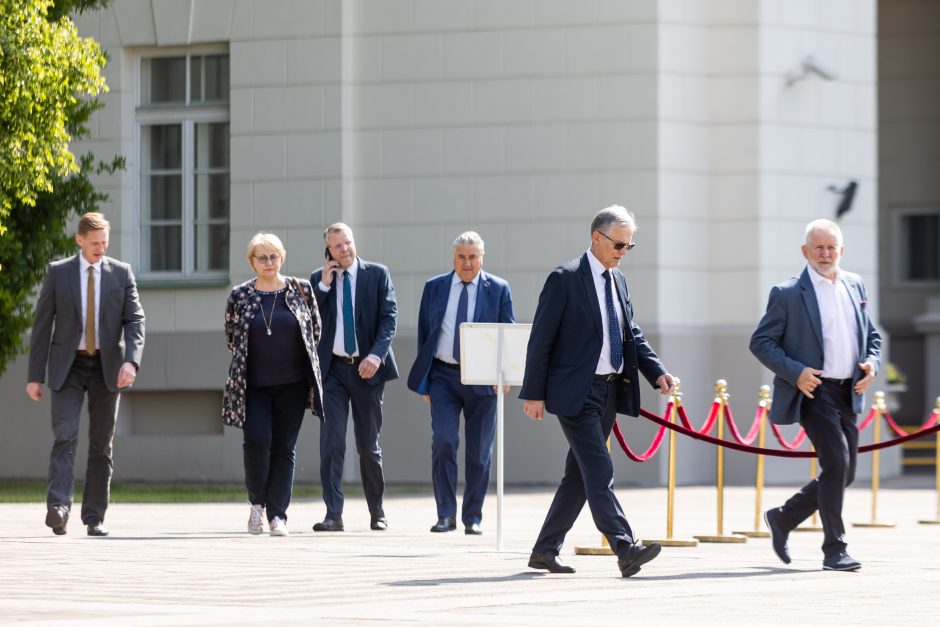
[[550, 562]]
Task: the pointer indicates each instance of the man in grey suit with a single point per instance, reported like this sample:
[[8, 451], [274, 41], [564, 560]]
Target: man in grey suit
[[818, 339], [89, 329]]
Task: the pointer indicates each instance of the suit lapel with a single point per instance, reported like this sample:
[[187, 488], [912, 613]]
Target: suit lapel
[[361, 279], [855, 297], [622, 297], [75, 271], [812, 305], [483, 285], [590, 293]]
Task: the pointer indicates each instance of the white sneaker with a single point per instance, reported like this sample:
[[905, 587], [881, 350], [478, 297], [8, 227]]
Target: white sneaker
[[256, 520], [278, 527]]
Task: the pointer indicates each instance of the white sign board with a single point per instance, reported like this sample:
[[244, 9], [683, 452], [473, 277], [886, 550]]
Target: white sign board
[[479, 343]]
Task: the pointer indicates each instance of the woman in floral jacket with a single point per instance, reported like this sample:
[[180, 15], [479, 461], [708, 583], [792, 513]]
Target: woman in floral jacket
[[272, 326]]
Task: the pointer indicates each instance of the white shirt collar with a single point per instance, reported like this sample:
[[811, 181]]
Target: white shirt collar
[[475, 281], [353, 269], [596, 266], [85, 265], [819, 279]]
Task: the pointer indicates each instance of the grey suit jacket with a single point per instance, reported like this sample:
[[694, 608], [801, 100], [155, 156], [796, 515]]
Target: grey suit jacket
[[57, 327], [789, 338]]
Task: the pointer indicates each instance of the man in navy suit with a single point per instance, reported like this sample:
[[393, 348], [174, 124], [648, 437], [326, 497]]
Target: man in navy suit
[[357, 304], [467, 294], [583, 364], [819, 341]]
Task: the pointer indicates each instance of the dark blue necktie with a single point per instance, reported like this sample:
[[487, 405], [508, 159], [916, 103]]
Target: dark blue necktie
[[613, 326], [349, 327], [461, 318]]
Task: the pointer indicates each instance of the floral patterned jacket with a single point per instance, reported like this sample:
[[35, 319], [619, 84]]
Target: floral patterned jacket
[[243, 304]]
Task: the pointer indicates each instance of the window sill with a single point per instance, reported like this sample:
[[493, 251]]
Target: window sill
[[182, 282]]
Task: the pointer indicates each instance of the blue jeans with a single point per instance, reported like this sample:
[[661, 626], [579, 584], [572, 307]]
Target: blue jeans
[[273, 416]]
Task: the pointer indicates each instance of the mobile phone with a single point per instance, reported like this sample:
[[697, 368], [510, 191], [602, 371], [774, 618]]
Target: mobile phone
[[328, 254]]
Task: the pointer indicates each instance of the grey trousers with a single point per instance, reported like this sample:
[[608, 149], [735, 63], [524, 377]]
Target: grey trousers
[[84, 377]]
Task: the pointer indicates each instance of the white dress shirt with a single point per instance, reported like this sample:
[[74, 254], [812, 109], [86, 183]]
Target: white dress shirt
[[339, 343], [839, 326], [83, 281], [445, 341], [597, 271]]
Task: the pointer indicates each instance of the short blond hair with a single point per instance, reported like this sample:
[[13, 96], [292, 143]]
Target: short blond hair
[[337, 227], [266, 239], [92, 221]]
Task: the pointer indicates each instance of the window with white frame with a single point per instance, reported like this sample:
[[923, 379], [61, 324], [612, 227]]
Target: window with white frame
[[183, 127], [919, 250]]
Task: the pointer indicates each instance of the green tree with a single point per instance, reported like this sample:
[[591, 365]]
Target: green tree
[[42, 193]]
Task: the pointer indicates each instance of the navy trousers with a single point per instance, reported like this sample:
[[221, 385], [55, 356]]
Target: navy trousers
[[830, 424], [273, 417], [589, 476], [448, 398], [344, 388]]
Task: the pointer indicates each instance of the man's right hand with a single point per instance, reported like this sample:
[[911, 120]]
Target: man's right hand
[[34, 390], [534, 409], [329, 271], [808, 381]]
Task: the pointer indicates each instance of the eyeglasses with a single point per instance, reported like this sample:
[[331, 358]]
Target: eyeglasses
[[619, 245], [265, 259]]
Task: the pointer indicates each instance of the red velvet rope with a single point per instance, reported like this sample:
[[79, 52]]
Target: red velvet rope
[[868, 419], [733, 428], [776, 452], [654, 447], [931, 421], [790, 446], [709, 422]]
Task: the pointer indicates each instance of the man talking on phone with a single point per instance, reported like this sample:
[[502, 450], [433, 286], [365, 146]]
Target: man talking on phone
[[357, 303]]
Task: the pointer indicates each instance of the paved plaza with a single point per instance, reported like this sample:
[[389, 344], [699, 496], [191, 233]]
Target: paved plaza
[[195, 565]]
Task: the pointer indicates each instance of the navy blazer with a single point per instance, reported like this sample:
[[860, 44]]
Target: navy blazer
[[493, 304], [376, 318], [789, 339], [566, 342]]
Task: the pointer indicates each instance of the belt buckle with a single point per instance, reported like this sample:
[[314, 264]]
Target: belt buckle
[[347, 360]]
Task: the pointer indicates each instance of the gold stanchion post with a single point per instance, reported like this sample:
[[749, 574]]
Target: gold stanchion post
[[671, 490], [761, 440], [936, 521], [721, 397], [814, 521], [879, 411]]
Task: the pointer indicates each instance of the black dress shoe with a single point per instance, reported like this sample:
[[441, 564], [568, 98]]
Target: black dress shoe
[[444, 524], [550, 562], [329, 524], [57, 518], [379, 523], [841, 561], [778, 535], [473, 529], [97, 530], [637, 555]]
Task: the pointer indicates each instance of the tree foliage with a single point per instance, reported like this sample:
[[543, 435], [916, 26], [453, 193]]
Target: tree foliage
[[45, 67], [36, 227]]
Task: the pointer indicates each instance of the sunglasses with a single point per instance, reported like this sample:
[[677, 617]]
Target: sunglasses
[[619, 245]]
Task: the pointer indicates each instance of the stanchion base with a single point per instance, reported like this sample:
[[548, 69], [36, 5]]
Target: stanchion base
[[593, 550], [672, 542], [878, 525], [929, 522], [808, 528], [752, 534], [722, 539]]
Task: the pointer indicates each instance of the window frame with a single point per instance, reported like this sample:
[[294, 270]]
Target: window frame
[[187, 116], [901, 245]]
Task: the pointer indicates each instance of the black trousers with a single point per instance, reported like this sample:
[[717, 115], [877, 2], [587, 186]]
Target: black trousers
[[273, 417], [589, 476], [342, 388], [830, 424], [85, 377]]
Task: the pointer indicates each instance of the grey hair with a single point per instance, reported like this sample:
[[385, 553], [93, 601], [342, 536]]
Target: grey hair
[[614, 215], [470, 238], [822, 225]]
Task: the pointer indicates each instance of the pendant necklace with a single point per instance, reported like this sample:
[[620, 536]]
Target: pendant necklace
[[267, 323]]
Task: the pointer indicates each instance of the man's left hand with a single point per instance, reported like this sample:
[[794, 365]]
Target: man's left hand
[[369, 366], [666, 384], [865, 381], [126, 375]]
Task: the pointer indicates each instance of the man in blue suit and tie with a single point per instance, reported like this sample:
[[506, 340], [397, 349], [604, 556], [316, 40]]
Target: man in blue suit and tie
[[359, 313], [818, 339], [583, 364], [468, 294]]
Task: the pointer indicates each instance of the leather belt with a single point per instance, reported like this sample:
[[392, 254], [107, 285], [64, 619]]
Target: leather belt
[[346, 360], [85, 353], [446, 364], [836, 381], [606, 378]]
